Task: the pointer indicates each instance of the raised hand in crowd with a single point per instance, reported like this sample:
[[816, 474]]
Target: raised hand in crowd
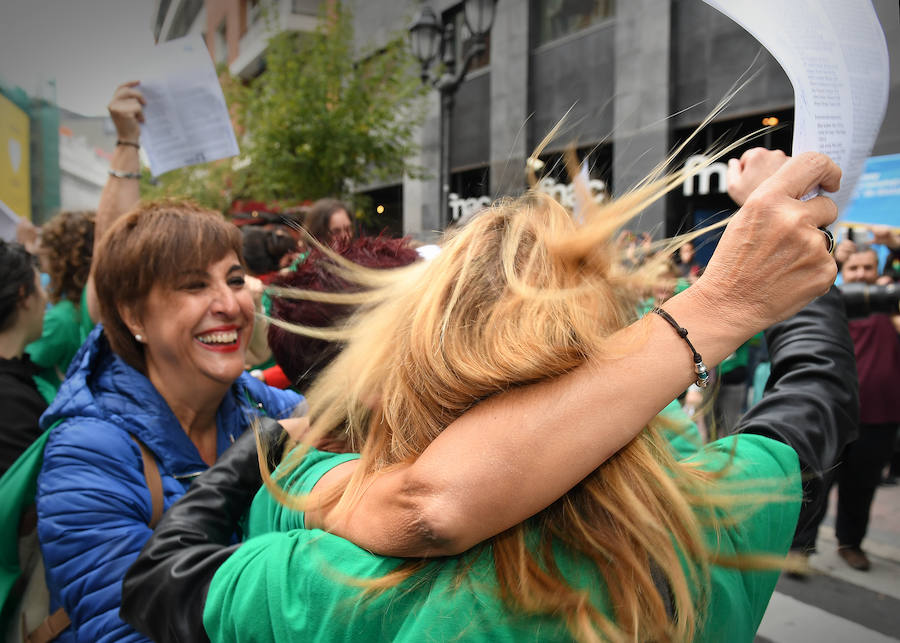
[[885, 236], [759, 233], [122, 189], [843, 250]]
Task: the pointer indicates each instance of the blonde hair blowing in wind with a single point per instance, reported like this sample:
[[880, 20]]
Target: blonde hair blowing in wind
[[520, 294]]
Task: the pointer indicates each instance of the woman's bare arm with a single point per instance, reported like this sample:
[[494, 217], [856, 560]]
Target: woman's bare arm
[[119, 195], [515, 454]]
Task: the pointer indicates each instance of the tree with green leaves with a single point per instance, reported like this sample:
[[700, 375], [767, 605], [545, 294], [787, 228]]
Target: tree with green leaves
[[320, 119]]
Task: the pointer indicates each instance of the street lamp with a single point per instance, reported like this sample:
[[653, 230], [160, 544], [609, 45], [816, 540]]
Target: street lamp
[[430, 40]]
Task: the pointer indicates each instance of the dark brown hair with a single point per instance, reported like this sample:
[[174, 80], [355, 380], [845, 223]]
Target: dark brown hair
[[319, 215], [264, 249], [67, 243], [18, 267], [152, 246]]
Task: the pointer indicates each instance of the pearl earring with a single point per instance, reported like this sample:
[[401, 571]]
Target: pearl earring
[[139, 338]]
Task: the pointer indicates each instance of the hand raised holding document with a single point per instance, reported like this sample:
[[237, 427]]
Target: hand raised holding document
[[126, 108], [186, 119], [835, 55]]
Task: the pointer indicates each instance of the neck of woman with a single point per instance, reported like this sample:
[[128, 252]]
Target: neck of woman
[[195, 407], [12, 343]]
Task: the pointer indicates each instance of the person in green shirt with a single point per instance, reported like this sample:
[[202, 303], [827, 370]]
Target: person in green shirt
[[66, 248], [503, 398]]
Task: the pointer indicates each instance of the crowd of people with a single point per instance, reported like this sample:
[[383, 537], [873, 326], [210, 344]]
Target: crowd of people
[[279, 433]]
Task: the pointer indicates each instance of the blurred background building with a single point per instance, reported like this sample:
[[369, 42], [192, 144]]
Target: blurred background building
[[636, 78]]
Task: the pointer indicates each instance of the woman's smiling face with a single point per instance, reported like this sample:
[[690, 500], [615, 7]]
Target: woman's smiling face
[[201, 327]]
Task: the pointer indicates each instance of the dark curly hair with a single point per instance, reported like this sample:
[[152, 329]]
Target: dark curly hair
[[67, 244], [300, 357]]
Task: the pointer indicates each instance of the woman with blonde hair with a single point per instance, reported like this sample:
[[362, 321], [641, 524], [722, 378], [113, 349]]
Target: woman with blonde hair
[[503, 400]]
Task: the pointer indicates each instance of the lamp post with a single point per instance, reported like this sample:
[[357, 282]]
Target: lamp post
[[431, 40]]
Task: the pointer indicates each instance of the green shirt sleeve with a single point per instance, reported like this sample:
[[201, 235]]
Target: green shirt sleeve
[[87, 324], [681, 432], [292, 584], [60, 338], [767, 475], [267, 514]]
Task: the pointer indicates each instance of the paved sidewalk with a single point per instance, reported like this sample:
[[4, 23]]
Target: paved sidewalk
[[883, 537], [838, 604]]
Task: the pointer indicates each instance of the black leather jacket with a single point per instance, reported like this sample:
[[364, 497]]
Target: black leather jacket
[[811, 403]]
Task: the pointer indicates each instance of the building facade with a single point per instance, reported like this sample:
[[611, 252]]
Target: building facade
[[236, 31], [635, 78], [86, 145]]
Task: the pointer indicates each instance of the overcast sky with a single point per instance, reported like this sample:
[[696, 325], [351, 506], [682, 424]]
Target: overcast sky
[[87, 46]]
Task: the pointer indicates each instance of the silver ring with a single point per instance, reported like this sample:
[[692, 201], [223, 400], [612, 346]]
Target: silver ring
[[829, 240]]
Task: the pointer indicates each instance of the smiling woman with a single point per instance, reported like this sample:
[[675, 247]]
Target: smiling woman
[[163, 375]]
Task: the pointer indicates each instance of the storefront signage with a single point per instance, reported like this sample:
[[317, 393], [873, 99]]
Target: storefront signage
[[877, 197], [565, 192], [465, 208], [703, 178]]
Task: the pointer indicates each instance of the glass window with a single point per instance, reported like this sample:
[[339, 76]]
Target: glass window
[[558, 18], [555, 178]]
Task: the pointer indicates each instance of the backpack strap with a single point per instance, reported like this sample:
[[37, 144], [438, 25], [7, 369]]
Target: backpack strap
[[52, 627], [154, 483]]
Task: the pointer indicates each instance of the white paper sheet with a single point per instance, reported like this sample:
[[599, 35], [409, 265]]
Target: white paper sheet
[[186, 119], [835, 55]]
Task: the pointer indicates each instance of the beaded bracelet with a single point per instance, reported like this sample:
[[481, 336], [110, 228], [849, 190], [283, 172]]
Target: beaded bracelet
[[699, 367], [124, 175]]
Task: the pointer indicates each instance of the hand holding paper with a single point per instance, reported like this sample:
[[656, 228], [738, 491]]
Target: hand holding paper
[[186, 120], [126, 110], [835, 55]]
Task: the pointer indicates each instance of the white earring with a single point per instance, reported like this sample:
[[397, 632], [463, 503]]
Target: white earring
[[139, 338]]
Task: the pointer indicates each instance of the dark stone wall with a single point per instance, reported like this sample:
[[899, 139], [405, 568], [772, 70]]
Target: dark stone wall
[[710, 53], [888, 141], [576, 72], [470, 123]]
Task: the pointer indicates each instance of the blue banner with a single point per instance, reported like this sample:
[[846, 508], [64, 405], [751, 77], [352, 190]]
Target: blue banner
[[877, 196]]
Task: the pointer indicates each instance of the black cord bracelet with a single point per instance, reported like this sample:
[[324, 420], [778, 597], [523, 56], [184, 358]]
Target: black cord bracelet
[[124, 175], [128, 143], [699, 367]]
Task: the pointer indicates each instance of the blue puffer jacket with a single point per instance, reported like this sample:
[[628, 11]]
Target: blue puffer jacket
[[92, 498]]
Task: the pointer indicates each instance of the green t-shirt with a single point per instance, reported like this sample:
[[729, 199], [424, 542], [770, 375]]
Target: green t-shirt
[[288, 583], [66, 326]]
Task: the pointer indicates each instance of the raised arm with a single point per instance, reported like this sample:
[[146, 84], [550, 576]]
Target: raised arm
[[120, 193]]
